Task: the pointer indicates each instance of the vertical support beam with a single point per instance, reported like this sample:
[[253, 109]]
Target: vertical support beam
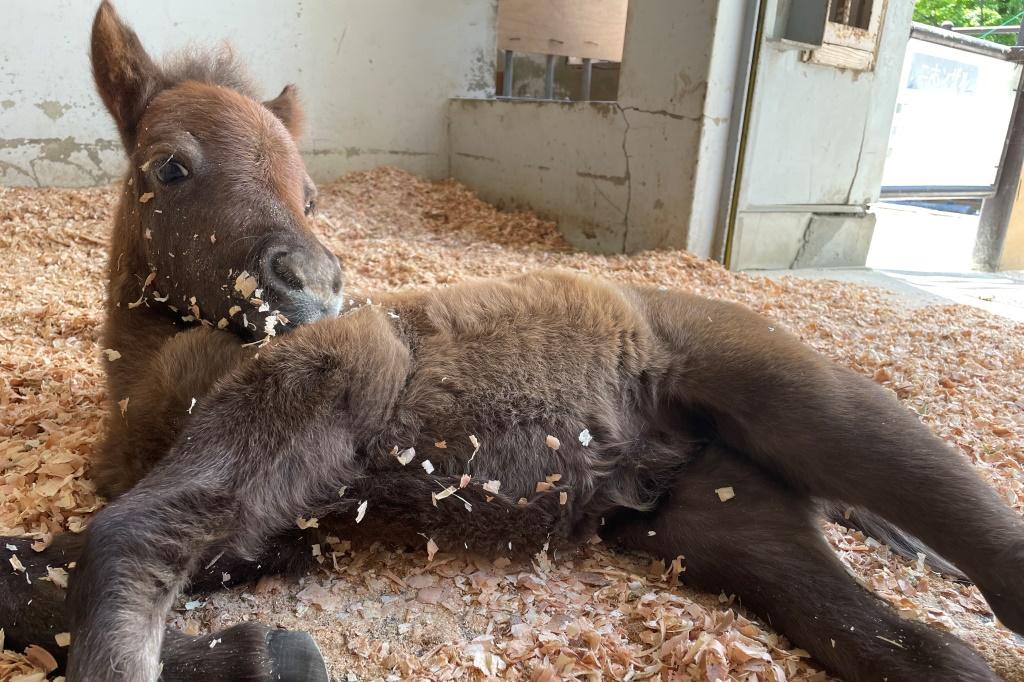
[[752, 38], [996, 212], [588, 72], [549, 78], [506, 84]]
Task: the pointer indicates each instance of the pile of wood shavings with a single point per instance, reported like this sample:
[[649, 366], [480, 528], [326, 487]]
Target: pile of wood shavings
[[387, 613]]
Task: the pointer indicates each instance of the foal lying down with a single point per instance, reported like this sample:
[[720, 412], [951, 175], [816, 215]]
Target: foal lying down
[[640, 407]]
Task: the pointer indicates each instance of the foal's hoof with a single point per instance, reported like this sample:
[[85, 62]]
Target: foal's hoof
[[1004, 591], [247, 652], [295, 657], [1008, 610]]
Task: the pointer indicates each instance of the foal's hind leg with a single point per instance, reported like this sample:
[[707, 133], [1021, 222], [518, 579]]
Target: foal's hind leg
[[765, 547], [31, 603], [833, 434]]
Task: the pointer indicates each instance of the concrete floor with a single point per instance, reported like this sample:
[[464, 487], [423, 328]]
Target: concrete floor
[[998, 293], [923, 257]]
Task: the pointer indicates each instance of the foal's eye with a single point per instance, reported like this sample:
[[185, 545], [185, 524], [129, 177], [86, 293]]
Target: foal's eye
[[171, 171], [310, 207]]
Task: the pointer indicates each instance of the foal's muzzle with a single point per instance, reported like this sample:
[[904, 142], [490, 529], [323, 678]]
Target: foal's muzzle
[[304, 282]]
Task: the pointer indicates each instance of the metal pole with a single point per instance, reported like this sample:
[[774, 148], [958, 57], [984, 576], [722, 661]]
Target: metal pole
[[931, 34], [506, 84], [549, 78], [588, 72], [742, 109], [995, 212], [984, 30]]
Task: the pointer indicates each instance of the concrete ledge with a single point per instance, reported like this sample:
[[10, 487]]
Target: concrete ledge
[[563, 160], [613, 177], [769, 240]]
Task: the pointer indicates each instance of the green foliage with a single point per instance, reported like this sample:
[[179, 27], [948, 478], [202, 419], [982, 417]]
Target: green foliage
[[971, 13]]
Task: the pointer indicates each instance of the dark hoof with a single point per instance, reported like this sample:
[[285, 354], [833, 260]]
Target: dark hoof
[[247, 652], [1007, 610], [295, 657], [1004, 590]]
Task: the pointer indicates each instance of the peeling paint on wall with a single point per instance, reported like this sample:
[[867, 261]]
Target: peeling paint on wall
[[480, 77], [98, 161], [374, 78], [52, 108]]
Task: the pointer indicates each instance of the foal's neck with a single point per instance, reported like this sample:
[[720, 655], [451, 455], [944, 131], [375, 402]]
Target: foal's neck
[[132, 327]]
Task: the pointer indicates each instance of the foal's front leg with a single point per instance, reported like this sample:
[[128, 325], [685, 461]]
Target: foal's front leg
[[32, 612], [276, 438], [32, 597]]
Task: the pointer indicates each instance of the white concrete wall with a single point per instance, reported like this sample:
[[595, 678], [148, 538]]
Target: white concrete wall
[[375, 77], [620, 176], [563, 160], [817, 145], [820, 133]]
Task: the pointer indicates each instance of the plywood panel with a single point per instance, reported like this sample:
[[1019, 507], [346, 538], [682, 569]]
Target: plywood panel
[[593, 29], [858, 38], [841, 57]]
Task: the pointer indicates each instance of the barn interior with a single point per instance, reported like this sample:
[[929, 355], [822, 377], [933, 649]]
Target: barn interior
[[770, 153]]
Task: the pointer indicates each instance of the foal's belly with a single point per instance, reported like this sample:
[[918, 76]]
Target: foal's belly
[[534, 386], [522, 493]]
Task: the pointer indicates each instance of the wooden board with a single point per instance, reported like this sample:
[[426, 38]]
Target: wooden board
[[594, 29], [841, 57], [857, 38], [849, 47]]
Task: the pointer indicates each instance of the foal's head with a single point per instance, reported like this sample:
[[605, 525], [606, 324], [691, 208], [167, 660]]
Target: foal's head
[[217, 200]]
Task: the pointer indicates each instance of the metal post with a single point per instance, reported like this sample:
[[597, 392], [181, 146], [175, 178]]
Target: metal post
[[959, 41], [506, 85], [995, 212], [739, 128], [549, 78], [588, 71]]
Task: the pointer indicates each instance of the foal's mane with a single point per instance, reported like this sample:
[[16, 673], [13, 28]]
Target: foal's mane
[[215, 66]]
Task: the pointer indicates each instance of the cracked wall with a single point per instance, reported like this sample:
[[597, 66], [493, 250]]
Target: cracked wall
[[654, 169], [551, 161], [640, 173], [817, 146], [375, 78], [608, 174]]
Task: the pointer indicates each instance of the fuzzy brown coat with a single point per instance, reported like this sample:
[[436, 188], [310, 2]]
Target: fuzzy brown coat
[[217, 447]]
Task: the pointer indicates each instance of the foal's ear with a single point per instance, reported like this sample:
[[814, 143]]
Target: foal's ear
[[287, 108], [125, 75]]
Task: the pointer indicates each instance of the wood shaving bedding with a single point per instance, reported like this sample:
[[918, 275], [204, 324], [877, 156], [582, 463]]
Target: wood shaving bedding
[[384, 614]]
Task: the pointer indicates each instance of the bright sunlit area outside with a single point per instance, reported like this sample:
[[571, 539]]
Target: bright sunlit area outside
[[953, 164]]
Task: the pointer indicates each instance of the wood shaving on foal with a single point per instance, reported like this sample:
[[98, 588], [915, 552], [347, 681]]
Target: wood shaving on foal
[[378, 612]]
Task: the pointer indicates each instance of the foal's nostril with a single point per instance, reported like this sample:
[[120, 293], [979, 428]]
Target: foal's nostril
[[284, 271], [303, 283]]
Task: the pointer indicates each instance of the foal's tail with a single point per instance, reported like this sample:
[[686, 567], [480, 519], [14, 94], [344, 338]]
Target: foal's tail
[[904, 544]]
